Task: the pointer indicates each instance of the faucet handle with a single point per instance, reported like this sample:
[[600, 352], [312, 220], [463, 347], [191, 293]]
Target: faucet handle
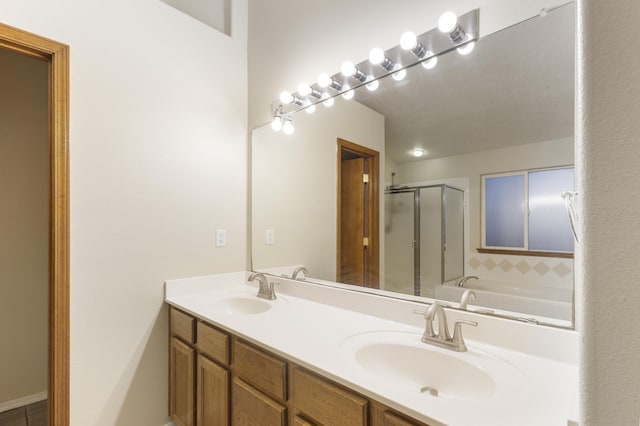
[[457, 333]]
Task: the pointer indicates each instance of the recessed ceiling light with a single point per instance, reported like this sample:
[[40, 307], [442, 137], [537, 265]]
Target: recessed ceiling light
[[418, 152]]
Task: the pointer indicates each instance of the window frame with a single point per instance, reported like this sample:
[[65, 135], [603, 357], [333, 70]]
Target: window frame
[[524, 251]]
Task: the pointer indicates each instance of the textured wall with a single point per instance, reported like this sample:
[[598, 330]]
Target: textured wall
[[609, 185]]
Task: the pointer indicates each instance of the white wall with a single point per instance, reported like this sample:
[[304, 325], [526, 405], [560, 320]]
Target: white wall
[[294, 185], [24, 216], [609, 187], [158, 161]]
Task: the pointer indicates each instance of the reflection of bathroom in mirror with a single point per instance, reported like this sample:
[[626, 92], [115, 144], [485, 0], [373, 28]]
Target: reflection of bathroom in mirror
[[505, 108]]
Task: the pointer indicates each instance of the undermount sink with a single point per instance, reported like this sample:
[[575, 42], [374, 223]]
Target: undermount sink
[[242, 305], [401, 360]]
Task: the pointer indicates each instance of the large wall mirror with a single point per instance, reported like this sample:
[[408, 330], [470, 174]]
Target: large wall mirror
[[416, 224]]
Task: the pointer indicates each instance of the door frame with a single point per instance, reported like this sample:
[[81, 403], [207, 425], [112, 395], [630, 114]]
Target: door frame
[[373, 209], [57, 55]]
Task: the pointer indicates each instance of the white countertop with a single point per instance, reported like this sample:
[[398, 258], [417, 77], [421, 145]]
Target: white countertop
[[320, 328]]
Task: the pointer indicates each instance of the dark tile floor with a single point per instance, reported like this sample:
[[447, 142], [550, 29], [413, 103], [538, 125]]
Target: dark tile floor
[[31, 415]]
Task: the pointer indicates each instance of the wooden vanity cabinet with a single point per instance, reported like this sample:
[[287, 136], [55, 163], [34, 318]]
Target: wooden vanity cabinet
[[198, 372], [217, 379]]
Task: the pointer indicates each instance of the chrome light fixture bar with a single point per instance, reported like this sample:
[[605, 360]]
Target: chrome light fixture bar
[[453, 32]]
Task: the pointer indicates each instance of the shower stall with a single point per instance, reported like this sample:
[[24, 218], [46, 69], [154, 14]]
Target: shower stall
[[424, 238]]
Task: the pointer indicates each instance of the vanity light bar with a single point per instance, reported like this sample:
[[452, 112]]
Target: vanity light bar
[[453, 32]]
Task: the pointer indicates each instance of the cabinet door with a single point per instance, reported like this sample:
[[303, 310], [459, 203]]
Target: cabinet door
[[384, 416], [253, 408], [181, 387], [213, 393]]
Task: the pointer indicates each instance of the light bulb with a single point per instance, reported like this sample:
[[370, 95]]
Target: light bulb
[[349, 92], [376, 56], [276, 124], [418, 152], [328, 102], [448, 22], [287, 128], [286, 97], [310, 109], [373, 85], [324, 80], [408, 40], [399, 75], [304, 89], [348, 69], [467, 48], [429, 64]]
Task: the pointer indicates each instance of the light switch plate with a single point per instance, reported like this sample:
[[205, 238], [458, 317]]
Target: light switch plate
[[221, 238]]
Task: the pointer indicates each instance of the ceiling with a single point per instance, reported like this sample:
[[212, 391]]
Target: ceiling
[[516, 87]]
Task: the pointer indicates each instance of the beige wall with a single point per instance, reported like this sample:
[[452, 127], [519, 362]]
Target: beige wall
[[158, 147], [294, 185], [24, 177]]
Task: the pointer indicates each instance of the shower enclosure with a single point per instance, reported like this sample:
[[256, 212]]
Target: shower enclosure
[[424, 238]]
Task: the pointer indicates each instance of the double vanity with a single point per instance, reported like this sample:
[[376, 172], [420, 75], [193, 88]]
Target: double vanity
[[322, 355]]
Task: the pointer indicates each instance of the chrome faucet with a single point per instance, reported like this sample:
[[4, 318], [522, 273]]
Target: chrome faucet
[[294, 275], [462, 281], [467, 296], [265, 289], [443, 338]]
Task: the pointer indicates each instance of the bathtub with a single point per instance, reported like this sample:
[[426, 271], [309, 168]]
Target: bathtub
[[538, 300]]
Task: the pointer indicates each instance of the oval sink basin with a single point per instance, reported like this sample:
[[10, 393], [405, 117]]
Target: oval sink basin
[[242, 305], [433, 373], [401, 361]]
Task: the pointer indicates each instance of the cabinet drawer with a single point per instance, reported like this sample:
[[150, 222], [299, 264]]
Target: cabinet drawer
[[265, 372], [182, 325], [325, 403], [251, 407], [213, 343]]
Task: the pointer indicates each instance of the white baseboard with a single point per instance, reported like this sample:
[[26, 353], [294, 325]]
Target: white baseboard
[[21, 402]]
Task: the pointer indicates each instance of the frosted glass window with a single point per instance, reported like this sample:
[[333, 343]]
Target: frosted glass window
[[549, 227], [504, 211]]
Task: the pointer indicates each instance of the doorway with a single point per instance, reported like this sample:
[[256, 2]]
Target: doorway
[[357, 215], [56, 55]]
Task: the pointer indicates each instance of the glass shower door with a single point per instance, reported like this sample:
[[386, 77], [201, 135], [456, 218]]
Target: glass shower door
[[399, 270]]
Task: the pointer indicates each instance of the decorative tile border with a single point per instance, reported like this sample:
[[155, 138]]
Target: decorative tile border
[[546, 271]]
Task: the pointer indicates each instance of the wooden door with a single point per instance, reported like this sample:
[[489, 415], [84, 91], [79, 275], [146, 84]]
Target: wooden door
[[357, 260], [352, 219]]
